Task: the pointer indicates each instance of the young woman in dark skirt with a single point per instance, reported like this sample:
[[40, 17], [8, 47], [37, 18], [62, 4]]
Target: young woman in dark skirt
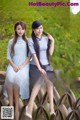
[[41, 71]]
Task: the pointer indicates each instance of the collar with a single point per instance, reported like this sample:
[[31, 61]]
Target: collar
[[39, 38]]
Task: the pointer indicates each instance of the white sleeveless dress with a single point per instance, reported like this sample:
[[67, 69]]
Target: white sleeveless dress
[[21, 78]]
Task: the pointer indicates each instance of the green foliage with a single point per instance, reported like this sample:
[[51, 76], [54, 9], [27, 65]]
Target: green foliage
[[3, 52]]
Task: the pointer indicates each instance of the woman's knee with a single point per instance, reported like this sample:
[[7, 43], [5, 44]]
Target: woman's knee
[[15, 87], [9, 87], [49, 85]]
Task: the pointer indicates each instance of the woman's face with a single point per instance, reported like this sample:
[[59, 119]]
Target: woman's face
[[20, 31], [38, 31]]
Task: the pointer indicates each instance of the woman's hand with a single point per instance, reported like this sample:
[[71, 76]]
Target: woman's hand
[[16, 69], [20, 67], [24, 63], [50, 37], [43, 72]]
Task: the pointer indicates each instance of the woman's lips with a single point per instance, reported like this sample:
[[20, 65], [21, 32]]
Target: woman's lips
[[20, 33]]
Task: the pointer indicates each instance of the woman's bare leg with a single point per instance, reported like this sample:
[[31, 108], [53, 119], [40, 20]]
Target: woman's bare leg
[[34, 93], [16, 101], [20, 105], [9, 88], [50, 94]]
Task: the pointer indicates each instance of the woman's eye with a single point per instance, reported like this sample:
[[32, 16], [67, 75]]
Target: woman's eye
[[18, 28]]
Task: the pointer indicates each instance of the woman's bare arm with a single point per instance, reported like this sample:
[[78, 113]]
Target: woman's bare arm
[[51, 50]]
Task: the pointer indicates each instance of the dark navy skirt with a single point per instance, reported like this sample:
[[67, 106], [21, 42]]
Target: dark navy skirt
[[35, 75]]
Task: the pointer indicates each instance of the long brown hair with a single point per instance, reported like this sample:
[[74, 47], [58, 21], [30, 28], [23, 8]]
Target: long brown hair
[[23, 25]]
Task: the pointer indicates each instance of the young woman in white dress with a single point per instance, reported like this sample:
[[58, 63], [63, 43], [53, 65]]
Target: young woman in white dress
[[17, 74]]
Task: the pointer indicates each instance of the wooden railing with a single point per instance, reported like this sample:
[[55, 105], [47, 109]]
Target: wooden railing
[[67, 106]]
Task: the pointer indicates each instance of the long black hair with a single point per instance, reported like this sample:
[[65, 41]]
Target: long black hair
[[35, 25]]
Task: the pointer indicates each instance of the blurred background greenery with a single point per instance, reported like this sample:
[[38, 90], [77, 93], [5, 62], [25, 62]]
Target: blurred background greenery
[[58, 21]]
